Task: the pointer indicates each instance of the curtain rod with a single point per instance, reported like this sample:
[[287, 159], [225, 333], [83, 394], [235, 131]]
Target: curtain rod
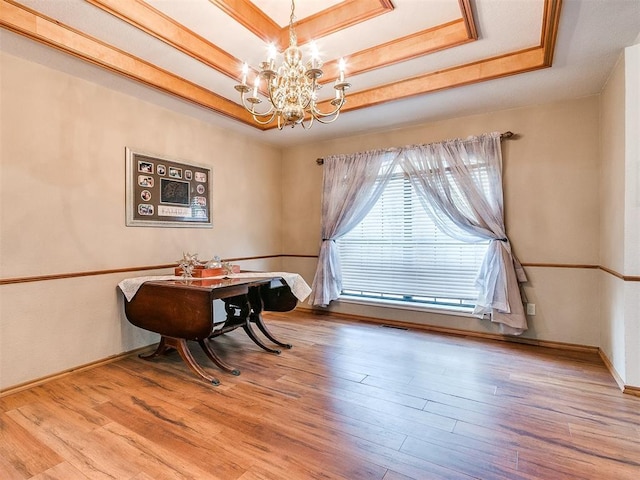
[[503, 136]]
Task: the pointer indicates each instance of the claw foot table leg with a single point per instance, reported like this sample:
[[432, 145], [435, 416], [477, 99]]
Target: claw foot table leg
[[180, 344], [213, 356]]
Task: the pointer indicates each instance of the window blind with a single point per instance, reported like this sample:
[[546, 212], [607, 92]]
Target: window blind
[[398, 253]]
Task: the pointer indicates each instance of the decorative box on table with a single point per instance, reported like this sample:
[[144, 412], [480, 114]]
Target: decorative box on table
[[202, 272]]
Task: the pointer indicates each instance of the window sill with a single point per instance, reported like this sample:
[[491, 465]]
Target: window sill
[[428, 308]]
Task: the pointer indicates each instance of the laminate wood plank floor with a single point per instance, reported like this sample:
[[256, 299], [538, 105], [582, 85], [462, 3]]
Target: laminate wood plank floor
[[351, 400]]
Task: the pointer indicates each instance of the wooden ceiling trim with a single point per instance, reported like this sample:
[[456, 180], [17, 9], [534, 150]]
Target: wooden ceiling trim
[[333, 19], [467, 15], [326, 22], [143, 16], [250, 17], [40, 28], [492, 68], [550, 23], [428, 41], [496, 67], [154, 22]]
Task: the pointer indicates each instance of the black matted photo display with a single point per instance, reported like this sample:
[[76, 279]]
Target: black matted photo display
[[163, 192]]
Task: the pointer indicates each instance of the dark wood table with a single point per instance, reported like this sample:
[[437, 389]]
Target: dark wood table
[[182, 310]]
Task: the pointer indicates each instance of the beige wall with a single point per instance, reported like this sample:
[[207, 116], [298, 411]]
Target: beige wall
[[612, 179], [612, 207], [552, 214], [63, 210], [632, 212], [620, 212]]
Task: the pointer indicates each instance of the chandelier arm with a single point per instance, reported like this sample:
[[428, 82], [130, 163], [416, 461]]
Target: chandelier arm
[[264, 122], [326, 121], [309, 124], [335, 111], [257, 115], [250, 107], [318, 114]]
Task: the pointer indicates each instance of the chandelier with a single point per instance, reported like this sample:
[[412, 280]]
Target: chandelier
[[292, 89]]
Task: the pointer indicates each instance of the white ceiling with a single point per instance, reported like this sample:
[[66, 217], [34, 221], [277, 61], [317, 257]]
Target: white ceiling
[[590, 37]]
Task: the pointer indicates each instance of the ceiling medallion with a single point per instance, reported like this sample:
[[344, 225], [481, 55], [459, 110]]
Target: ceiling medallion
[[291, 90]]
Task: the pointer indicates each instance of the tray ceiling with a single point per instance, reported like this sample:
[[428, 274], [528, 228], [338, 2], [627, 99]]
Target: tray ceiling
[[409, 61]]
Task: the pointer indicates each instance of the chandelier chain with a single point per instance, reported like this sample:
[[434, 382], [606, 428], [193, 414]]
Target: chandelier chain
[[293, 39]]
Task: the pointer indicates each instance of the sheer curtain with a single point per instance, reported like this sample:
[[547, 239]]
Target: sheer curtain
[[462, 180], [351, 186]]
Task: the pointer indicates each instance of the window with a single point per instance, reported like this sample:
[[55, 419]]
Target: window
[[398, 253]]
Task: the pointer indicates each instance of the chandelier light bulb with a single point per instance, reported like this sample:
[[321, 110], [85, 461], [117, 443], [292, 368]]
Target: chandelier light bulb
[[315, 55], [245, 71], [256, 85], [273, 52]]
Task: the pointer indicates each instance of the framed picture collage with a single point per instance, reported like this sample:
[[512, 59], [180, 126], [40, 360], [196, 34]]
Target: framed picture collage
[[164, 192]]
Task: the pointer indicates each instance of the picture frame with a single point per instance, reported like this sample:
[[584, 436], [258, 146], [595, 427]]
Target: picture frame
[[165, 192]]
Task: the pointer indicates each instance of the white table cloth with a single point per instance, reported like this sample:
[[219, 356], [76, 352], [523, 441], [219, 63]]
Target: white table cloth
[[296, 283]]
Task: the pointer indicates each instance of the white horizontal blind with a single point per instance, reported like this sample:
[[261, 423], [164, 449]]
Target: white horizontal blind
[[398, 253]]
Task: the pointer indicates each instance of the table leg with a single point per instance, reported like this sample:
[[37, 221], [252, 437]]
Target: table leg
[[256, 302], [180, 344], [161, 350], [213, 356], [239, 313], [257, 319], [252, 335]]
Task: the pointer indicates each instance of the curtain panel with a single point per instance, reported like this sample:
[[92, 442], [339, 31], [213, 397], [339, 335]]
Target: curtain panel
[[462, 181], [351, 186]]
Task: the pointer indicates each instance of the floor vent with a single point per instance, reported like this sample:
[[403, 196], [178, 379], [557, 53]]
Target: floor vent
[[394, 327]]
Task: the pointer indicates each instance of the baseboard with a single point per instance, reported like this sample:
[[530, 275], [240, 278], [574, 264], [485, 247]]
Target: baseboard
[[611, 369], [458, 332], [39, 381], [631, 390], [628, 389]]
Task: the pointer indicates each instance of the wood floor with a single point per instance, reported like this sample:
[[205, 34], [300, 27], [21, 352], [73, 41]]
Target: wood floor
[[349, 401]]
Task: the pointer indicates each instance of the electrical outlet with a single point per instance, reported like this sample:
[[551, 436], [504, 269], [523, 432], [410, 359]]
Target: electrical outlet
[[531, 309]]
